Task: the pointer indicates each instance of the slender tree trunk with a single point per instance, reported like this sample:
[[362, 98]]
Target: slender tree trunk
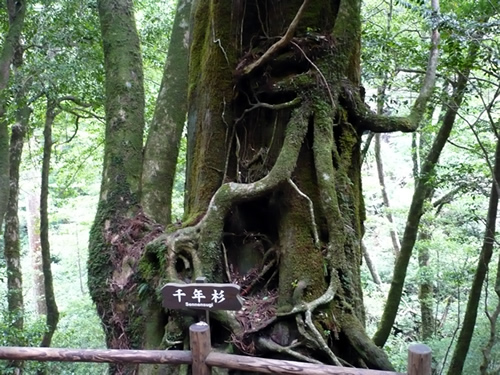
[[4, 167], [52, 317], [381, 98], [162, 147], [422, 193], [426, 289], [78, 255], [388, 214], [12, 233], [12, 54], [10, 51], [33, 224], [488, 365], [464, 338], [370, 265]]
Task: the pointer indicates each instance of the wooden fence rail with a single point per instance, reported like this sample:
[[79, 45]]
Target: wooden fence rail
[[202, 358]]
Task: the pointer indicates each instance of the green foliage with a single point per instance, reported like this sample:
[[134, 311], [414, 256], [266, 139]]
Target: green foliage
[[154, 23], [455, 227]]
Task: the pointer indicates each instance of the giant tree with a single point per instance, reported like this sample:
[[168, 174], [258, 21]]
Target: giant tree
[[273, 185]]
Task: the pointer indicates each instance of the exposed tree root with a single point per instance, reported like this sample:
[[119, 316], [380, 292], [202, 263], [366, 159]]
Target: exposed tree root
[[279, 44], [201, 244], [371, 354], [288, 350], [314, 227]]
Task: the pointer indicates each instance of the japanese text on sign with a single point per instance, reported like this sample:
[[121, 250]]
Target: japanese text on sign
[[202, 296]]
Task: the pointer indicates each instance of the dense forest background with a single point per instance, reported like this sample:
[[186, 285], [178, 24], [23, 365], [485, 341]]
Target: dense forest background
[[52, 118]]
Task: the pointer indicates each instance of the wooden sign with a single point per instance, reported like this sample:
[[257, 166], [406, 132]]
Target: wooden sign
[[202, 296]]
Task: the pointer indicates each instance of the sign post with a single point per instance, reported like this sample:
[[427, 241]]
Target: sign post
[[201, 296]]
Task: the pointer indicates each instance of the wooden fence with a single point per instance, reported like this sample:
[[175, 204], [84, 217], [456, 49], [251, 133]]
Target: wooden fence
[[202, 358]]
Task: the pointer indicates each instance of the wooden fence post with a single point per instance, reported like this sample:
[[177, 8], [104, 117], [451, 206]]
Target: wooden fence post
[[419, 359], [199, 336]]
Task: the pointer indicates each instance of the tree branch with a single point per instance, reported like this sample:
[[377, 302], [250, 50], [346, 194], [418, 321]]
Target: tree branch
[[367, 120], [280, 43]]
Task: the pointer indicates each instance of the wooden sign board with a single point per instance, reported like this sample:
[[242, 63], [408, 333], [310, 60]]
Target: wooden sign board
[[202, 296]]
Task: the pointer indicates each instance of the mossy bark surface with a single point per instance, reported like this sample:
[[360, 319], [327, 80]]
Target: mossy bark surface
[[112, 262], [12, 250], [52, 318]]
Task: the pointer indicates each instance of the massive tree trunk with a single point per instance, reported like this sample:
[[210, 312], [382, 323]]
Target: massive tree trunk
[[273, 199], [273, 181]]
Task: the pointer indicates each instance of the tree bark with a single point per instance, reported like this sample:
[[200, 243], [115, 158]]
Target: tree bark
[[162, 146], [10, 52], [370, 265], [109, 264], [276, 142], [52, 317], [469, 323], [273, 198], [12, 251], [426, 289], [11, 235], [488, 362], [33, 224]]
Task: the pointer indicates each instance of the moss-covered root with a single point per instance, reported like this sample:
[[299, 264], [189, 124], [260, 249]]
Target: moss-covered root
[[371, 354]]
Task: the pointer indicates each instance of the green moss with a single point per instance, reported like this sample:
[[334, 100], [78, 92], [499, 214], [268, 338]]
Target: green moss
[[153, 262], [301, 262], [211, 89]]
